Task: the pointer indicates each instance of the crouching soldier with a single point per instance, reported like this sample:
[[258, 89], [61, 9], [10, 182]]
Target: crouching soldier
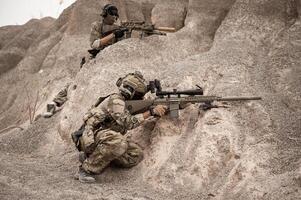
[[103, 140]]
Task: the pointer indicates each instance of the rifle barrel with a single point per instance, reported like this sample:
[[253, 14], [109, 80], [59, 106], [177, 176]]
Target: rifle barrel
[[199, 99], [238, 98]]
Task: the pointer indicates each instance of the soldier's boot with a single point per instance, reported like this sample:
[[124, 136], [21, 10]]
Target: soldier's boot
[[85, 177], [81, 158], [51, 107]]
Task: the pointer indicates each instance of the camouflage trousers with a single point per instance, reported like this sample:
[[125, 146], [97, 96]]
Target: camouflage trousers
[[112, 147], [61, 97]]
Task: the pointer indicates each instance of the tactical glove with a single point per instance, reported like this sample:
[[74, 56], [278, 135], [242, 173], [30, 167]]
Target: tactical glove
[[159, 110], [120, 32]]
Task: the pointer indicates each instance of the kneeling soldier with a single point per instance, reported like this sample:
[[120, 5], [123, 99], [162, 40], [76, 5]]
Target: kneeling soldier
[[103, 140]]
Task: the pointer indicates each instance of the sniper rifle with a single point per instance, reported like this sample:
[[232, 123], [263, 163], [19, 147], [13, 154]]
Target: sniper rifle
[[176, 100]]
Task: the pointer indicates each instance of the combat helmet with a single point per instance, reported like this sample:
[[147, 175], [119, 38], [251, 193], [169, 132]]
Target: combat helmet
[[109, 9], [132, 86]]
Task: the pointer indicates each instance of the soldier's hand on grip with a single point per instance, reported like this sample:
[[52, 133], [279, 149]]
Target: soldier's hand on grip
[[159, 110], [120, 32]]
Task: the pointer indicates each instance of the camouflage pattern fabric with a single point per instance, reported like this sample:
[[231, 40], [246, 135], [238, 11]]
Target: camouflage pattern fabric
[[131, 157], [61, 97], [99, 31], [112, 146], [123, 120], [95, 35], [112, 114], [109, 121]]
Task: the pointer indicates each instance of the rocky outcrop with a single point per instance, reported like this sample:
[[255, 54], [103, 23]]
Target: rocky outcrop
[[16, 40]]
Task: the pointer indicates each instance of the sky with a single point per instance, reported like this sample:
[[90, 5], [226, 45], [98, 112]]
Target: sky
[[18, 12]]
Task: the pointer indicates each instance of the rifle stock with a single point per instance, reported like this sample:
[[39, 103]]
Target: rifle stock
[[138, 106]]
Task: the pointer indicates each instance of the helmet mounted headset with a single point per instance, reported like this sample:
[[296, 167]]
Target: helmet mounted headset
[[109, 9]]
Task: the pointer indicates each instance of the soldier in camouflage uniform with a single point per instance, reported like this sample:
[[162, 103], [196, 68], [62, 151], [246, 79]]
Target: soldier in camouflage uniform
[[103, 140], [57, 102], [105, 32]]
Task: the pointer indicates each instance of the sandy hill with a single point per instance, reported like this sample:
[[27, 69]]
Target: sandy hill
[[250, 150]]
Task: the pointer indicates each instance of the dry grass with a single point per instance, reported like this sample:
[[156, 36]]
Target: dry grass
[[32, 104]]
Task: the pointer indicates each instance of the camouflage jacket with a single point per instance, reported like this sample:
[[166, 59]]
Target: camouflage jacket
[[61, 97], [112, 114], [98, 31]]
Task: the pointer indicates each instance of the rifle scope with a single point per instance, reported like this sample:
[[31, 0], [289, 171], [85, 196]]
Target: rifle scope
[[192, 92]]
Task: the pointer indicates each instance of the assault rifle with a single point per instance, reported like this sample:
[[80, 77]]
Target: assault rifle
[[176, 100], [146, 29]]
